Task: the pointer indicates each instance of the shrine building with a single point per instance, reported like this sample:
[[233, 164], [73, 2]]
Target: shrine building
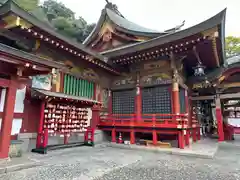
[[126, 81]]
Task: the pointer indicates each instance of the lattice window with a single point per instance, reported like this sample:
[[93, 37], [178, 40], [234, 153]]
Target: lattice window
[[156, 100], [182, 100], [123, 102], [148, 101]]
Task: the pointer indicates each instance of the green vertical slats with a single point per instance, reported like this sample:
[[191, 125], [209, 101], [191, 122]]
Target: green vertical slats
[[65, 84], [87, 87], [84, 88], [77, 81], [80, 87], [92, 89], [68, 84], [74, 86]]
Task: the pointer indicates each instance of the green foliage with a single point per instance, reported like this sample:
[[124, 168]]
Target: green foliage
[[40, 15], [232, 46], [58, 16], [63, 19], [28, 4], [57, 9]]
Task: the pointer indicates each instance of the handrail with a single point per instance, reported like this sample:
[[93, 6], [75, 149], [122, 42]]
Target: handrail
[[178, 120]]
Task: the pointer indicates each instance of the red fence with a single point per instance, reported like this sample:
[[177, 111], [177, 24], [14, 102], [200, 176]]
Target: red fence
[[146, 120]]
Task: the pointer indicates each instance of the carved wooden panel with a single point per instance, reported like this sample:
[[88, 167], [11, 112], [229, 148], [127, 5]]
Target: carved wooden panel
[[156, 79], [125, 81]]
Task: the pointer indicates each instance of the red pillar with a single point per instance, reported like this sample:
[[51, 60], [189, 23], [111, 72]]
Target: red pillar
[[138, 104], [109, 102], [113, 135], [132, 137], [219, 119], [198, 133], [95, 116], [65, 139], [7, 119], [181, 139], [175, 98], [155, 140], [194, 135], [187, 136], [40, 126]]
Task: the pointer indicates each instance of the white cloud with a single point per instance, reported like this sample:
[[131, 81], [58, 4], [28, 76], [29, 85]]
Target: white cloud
[[162, 14]]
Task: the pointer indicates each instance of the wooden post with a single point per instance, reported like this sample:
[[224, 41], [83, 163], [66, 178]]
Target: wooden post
[[65, 141], [5, 135], [155, 139], [187, 136], [113, 135], [219, 119], [40, 125], [181, 139], [175, 98], [198, 133], [132, 136], [95, 116], [194, 135], [109, 103], [138, 102], [45, 138]]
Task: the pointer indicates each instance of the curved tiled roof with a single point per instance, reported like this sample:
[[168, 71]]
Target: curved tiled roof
[[126, 24], [217, 20], [112, 14]]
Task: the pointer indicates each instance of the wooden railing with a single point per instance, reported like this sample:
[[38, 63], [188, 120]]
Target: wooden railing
[[145, 120]]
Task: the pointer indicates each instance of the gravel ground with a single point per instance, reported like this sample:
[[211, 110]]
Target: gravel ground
[[176, 168], [120, 164]]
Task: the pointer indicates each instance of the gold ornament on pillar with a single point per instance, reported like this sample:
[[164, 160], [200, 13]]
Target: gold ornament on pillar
[[175, 80], [138, 90]]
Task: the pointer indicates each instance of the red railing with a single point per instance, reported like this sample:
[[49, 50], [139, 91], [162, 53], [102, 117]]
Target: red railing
[[146, 120]]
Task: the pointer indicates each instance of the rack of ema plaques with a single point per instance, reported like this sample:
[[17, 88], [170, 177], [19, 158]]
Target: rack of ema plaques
[[63, 126], [65, 119]]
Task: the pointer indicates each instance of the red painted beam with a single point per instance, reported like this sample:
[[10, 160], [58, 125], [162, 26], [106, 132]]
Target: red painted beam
[[140, 130], [15, 116], [4, 83]]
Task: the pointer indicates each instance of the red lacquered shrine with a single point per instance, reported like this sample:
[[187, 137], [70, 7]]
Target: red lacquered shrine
[[131, 82], [55, 82], [158, 72]]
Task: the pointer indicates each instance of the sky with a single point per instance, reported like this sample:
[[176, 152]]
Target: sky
[[162, 14]]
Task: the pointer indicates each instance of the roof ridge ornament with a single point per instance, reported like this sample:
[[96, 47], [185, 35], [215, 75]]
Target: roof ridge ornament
[[113, 7]]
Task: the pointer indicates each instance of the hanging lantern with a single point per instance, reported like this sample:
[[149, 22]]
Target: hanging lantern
[[199, 70]]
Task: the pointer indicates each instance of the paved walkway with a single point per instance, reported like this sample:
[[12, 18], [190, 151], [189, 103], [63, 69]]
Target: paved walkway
[[205, 148], [107, 163]]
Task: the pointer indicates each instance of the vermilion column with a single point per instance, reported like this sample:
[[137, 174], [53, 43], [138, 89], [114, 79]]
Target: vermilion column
[[219, 119], [175, 98], [40, 126], [176, 111], [113, 135], [95, 116], [7, 119], [187, 110], [109, 102], [138, 104]]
